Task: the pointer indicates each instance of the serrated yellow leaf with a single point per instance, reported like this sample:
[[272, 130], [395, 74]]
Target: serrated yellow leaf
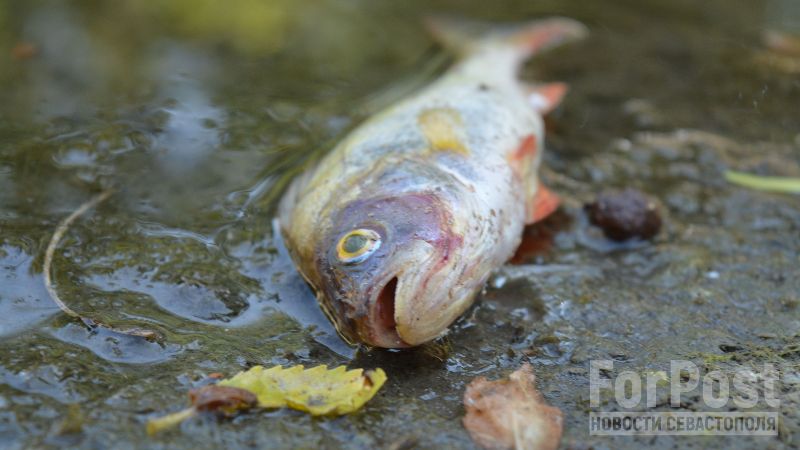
[[317, 390]]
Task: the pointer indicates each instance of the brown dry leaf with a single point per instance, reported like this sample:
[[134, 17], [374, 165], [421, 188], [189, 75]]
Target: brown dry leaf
[[211, 398], [511, 414], [24, 50], [224, 399]]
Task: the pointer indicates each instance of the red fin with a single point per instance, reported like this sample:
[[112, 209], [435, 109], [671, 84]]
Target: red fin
[[544, 203], [544, 34], [465, 36], [523, 155], [527, 148], [546, 97]]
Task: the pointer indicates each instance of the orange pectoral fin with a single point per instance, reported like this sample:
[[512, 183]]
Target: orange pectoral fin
[[523, 155], [544, 203], [526, 149], [546, 97]]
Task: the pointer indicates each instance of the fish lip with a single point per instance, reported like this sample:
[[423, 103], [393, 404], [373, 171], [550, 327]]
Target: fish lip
[[410, 284], [416, 286]]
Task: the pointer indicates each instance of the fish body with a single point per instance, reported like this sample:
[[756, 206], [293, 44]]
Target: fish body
[[398, 228]]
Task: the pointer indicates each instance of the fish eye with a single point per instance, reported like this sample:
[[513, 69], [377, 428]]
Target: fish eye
[[357, 245]]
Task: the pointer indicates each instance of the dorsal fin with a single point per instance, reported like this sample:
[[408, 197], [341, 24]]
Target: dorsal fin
[[464, 37]]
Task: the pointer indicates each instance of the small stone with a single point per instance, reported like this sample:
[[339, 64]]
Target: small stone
[[625, 215]]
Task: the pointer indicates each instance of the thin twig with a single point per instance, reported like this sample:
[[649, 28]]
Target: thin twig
[[51, 249], [48, 277]]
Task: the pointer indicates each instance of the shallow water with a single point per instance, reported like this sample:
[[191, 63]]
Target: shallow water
[[198, 116]]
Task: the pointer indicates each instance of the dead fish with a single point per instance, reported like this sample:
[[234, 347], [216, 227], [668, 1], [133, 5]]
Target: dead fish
[[398, 228]]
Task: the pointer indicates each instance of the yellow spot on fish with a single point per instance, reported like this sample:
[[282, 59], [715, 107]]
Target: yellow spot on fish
[[443, 128]]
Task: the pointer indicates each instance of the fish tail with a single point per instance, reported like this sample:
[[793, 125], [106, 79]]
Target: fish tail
[[466, 38]]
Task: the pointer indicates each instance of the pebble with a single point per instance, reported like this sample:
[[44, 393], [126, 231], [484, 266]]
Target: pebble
[[623, 215]]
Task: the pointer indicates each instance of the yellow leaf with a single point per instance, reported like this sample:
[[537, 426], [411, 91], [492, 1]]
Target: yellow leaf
[[169, 421], [317, 390], [774, 184]]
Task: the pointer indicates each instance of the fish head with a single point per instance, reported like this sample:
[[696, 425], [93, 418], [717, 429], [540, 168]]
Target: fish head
[[377, 264]]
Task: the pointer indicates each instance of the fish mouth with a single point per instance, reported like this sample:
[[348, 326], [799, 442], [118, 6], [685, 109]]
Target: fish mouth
[[379, 327]]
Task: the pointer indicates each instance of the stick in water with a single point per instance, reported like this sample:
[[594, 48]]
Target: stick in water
[[48, 278]]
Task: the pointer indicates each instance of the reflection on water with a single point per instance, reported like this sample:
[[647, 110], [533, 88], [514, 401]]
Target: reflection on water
[[115, 347], [47, 380], [783, 15], [23, 299], [189, 134], [155, 128], [68, 66]]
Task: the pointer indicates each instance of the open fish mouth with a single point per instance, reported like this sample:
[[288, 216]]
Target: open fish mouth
[[379, 326], [393, 304]]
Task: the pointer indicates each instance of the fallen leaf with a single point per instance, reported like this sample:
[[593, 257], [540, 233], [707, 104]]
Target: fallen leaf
[[212, 398], [24, 50], [221, 398], [773, 184], [169, 421], [318, 391], [511, 414]]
